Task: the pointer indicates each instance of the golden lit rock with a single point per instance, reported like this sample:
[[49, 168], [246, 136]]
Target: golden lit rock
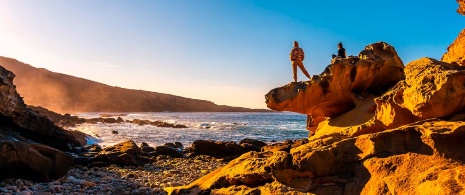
[[461, 9], [423, 158], [343, 83], [456, 51]]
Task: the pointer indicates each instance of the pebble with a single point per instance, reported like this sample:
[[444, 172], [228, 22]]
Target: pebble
[[28, 183], [4, 190], [24, 193], [147, 179]]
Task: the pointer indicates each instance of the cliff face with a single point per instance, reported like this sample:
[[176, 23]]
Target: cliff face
[[64, 93], [377, 128], [15, 115], [30, 144]]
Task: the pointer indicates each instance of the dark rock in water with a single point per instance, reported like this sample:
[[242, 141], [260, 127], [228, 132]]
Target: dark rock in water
[[179, 126], [109, 120], [119, 120], [36, 162], [123, 154], [143, 144], [140, 122], [114, 132], [165, 125]]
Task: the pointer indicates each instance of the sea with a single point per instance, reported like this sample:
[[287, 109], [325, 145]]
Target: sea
[[218, 126]]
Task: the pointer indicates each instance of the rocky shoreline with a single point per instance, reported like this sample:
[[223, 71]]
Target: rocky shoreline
[[150, 178], [68, 120], [152, 168]]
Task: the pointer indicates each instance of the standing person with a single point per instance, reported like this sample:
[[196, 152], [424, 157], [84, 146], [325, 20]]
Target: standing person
[[341, 52], [297, 56]]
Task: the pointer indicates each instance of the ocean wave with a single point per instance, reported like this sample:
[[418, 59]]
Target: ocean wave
[[215, 126]]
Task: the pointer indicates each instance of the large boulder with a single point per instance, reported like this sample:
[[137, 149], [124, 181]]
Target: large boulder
[[456, 51], [123, 154], [432, 89], [423, 158], [36, 162]]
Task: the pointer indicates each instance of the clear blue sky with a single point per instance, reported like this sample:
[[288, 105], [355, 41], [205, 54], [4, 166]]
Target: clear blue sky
[[231, 52]]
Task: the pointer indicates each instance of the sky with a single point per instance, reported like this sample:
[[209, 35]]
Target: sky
[[230, 52]]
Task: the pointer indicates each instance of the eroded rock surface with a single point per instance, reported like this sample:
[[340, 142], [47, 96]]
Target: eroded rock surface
[[461, 9], [456, 51], [341, 86], [432, 89], [378, 128], [406, 160]]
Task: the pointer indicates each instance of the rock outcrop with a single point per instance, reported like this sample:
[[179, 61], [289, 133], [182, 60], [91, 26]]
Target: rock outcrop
[[15, 115], [406, 160], [456, 51], [30, 144], [341, 86], [123, 154], [461, 9], [377, 128]]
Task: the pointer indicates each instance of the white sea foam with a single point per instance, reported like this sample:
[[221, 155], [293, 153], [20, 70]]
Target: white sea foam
[[216, 126]]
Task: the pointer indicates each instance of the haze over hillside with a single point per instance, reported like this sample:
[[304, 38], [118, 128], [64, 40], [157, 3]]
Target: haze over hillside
[[64, 93]]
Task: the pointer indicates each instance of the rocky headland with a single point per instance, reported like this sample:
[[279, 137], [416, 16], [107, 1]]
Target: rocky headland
[[68, 94], [376, 126], [27, 137]]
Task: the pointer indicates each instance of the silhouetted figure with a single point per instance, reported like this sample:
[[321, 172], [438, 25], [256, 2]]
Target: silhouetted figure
[[297, 57], [341, 52]]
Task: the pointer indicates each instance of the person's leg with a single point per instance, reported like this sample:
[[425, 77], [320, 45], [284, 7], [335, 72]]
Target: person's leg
[[294, 71], [302, 67]]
